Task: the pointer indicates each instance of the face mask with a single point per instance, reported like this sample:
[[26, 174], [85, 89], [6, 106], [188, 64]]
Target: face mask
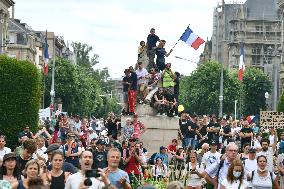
[[262, 170], [237, 174]]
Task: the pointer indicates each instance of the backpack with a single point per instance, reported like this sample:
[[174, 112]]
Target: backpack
[[152, 159]]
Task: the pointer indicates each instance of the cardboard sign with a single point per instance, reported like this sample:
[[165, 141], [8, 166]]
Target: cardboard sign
[[272, 119]]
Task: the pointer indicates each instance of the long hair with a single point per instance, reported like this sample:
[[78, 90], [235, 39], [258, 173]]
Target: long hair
[[230, 176], [16, 171]]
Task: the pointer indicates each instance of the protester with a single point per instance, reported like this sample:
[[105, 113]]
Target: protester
[[9, 170], [29, 147], [194, 172], [142, 54], [161, 54], [79, 179], [262, 177], [72, 150], [132, 91], [211, 156], [142, 75], [152, 40], [31, 171], [159, 170], [139, 127], [168, 76], [268, 152], [126, 81], [56, 177], [100, 155], [3, 149], [235, 177]]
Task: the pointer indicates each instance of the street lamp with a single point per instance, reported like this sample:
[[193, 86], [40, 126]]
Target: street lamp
[[266, 95]]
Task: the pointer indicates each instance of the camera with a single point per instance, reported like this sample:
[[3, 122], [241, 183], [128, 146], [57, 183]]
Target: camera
[[89, 174]]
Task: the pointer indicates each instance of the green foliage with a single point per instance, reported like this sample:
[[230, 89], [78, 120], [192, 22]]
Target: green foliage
[[83, 55], [280, 106], [200, 91], [20, 86], [255, 84], [82, 89]]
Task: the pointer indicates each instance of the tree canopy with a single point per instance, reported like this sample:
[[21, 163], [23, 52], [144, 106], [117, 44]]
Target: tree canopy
[[200, 91]]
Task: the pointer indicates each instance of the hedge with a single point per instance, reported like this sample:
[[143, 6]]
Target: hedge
[[20, 95]]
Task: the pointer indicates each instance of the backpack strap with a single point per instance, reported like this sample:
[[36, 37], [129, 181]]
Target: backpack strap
[[252, 173], [271, 176], [220, 167]]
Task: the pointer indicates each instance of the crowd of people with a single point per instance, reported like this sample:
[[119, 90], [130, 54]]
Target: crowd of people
[[151, 82], [80, 152], [76, 152]]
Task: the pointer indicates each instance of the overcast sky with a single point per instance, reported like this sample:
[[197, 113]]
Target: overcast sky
[[115, 27]]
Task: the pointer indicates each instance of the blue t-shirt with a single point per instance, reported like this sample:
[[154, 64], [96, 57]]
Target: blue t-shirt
[[114, 178]]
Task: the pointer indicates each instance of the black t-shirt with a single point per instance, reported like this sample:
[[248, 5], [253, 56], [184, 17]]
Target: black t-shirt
[[183, 126], [100, 160], [152, 40], [133, 78], [213, 135], [160, 52], [194, 127], [21, 162], [125, 86], [170, 97], [226, 130], [247, 139], [202, 131]]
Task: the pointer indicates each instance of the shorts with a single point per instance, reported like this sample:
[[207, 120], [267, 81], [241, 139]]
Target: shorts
[[125, 97]]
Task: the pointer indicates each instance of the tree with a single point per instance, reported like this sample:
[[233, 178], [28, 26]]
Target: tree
[[83, 55], [20, 86], [280, 106], [255, 84], [200, 91]]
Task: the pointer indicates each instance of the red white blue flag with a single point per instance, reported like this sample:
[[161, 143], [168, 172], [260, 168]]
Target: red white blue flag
[[46, 56], [242, 63], [191, 39]]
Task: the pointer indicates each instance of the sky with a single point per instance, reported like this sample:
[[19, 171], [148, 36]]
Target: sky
[[114, 28]]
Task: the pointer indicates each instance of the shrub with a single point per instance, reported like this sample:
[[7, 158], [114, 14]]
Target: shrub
[[19, 97]]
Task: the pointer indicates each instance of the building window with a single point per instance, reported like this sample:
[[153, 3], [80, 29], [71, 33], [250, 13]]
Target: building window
[[267, 59], [256, 50], [259, 28], [255, 60]]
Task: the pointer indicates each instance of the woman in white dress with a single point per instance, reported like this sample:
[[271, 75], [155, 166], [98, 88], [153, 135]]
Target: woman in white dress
[[262, 178], [159, 170], [193, 172], [235, 177]]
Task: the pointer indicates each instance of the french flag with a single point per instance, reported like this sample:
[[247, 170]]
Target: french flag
[[242, 63], [191, 39], [46, 56]]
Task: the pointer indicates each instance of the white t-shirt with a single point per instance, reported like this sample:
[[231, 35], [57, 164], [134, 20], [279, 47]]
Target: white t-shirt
[[250, 165], [210, 158], [141, 73], [73, 182], [269, 155], [235, 184], [40, 151], [5, 150]]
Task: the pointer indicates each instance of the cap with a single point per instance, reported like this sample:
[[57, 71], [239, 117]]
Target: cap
[[252, 150], [52, 148], [213, 142], [100, 141], [162, 148], [8, 156]]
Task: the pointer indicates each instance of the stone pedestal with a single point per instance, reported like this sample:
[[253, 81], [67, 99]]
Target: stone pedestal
[[160, 129]]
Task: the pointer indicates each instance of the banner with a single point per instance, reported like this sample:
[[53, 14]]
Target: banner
[[271, 119]]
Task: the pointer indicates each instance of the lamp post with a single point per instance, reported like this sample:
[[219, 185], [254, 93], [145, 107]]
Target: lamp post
[[266, 95]]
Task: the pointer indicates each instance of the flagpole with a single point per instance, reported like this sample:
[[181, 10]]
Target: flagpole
[[52, 92], [179, 39]]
